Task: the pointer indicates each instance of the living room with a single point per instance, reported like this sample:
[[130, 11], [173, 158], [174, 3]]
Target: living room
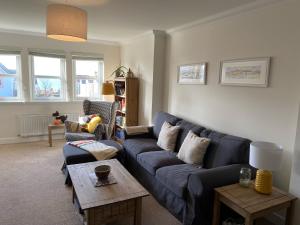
[[155, 40]]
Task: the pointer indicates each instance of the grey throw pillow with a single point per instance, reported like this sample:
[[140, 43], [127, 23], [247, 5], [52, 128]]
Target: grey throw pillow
[[193, 149], [168, 136]]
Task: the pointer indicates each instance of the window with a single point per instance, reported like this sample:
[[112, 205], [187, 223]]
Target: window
[[48, 77], [88, 76], [10, 76]]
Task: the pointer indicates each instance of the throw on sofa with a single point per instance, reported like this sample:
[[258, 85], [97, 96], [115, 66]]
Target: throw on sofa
[[186, 190], [106, 110]]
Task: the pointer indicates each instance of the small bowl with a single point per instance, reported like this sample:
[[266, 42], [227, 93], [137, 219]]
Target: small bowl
[[102, 172]]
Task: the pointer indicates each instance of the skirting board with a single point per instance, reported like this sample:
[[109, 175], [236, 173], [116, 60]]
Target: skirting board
[[16, 140]]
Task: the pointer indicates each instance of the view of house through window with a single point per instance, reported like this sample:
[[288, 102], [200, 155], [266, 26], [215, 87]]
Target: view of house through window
[[48, 77], [9, 77], [88, 77]]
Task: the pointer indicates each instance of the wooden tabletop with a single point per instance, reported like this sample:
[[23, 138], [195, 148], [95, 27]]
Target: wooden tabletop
[[56, 126], [89, 196], [251, 201]]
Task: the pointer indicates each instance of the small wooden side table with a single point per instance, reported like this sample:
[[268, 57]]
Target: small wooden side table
[[53, 127], [250, 204]]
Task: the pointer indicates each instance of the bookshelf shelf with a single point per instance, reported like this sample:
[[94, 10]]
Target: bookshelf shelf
[[127, 94]]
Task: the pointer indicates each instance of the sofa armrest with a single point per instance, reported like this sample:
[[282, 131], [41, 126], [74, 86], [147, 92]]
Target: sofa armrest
[[201, 190], [214, 177], [148, 134]]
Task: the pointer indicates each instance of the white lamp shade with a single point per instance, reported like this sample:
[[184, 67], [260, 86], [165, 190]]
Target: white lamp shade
[[66, 23], [265, 155]]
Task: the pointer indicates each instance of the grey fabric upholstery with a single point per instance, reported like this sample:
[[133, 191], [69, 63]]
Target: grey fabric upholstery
[[106, 110], [137, 146], [225, 150], [79, 136], [175, 177], [186, 190], [159, 120], [152, 161]]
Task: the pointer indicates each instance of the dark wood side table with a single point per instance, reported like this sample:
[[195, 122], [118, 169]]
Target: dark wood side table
[[250, 204]]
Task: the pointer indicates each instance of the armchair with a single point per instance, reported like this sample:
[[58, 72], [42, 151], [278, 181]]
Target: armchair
[[106, 110]]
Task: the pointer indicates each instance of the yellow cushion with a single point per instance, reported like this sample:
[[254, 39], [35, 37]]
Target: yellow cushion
[[92, 125]]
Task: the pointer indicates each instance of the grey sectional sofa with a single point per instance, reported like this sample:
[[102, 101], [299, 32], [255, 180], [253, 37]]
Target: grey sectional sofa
[[185, 190]]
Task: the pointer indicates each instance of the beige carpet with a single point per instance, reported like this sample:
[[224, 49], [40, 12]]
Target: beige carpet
[[32, 190]]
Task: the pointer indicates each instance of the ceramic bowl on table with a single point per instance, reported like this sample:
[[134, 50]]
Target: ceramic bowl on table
[[102, 171]]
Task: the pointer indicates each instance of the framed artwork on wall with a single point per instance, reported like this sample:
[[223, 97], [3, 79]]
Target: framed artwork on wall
[[192, 73], [253, 72]]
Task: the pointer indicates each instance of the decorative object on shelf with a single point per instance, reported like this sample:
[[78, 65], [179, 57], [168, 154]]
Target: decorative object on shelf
[[245, 72], [245, 177], [192, 73], [66, 23], [266, 157], [108, 88], [59, 119], [122, 72]]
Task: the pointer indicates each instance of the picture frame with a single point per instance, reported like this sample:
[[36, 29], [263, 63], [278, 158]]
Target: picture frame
[[192, 73], [249, 72]]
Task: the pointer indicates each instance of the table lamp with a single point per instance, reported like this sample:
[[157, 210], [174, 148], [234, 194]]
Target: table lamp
[[108, 88], [266, 157]]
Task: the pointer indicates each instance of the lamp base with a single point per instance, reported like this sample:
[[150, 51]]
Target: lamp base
[[263, 182]]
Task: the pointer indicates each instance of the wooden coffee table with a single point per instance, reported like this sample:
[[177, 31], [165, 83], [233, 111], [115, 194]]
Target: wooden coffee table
[[107, 203]]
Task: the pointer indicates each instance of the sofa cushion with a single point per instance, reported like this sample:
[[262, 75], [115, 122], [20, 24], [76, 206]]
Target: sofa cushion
[[193, 149], [175, 177], [185, 127], [225, 150], [151, 161], [139, 145], [168, 136], [159, 120]]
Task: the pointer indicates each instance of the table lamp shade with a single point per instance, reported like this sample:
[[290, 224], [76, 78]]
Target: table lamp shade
[[108, 88], [265, 155]]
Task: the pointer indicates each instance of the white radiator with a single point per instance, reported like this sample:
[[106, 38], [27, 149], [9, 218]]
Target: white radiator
[[37, 124]]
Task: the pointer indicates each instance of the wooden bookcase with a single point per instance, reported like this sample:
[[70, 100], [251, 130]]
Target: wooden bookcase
[[127, 98]]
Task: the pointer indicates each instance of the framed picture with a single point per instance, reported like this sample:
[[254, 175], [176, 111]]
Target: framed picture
[[192, 73], [245, 72]]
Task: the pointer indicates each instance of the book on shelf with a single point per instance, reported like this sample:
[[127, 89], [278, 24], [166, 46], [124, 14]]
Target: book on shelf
[[120, 133]]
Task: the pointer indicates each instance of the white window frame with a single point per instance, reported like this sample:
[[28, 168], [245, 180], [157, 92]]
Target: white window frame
[[100, 77], [18, 76], [62, 77]]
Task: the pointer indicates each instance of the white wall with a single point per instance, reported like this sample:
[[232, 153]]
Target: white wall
[[268, 114], [295, 177], [138, 55], [145, 55], [9, 111]]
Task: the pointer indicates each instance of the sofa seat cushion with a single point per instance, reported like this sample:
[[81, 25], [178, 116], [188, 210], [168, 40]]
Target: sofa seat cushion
[[151, 161], [140, 145], [175, 177]]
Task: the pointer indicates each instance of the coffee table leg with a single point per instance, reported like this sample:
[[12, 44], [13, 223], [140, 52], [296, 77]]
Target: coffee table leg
[[138, 212]]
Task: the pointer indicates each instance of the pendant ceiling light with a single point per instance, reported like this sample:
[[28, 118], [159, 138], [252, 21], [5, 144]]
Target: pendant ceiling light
[[66, 23]]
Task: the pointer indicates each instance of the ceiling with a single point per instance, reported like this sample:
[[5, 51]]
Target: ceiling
[[116, 20]]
